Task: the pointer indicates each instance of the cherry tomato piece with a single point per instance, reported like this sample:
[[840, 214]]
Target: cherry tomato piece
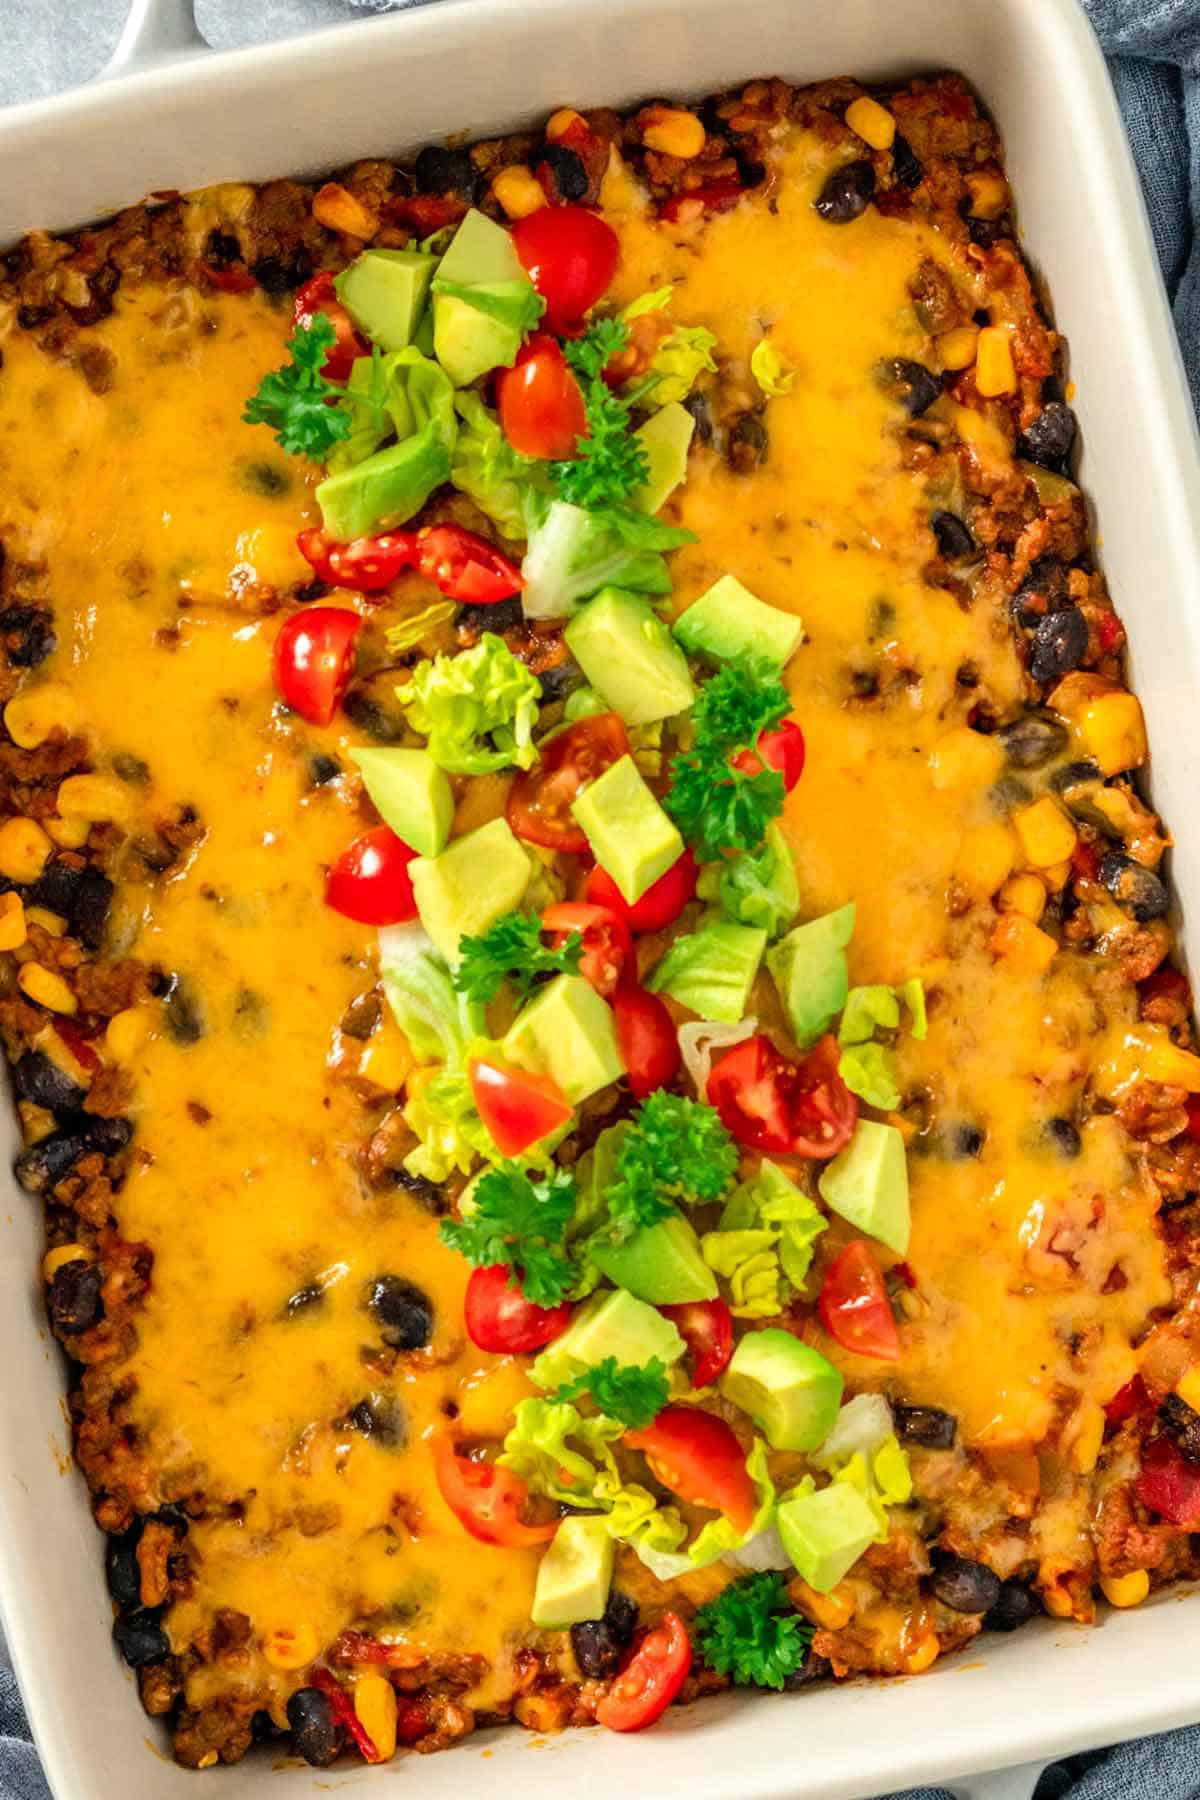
[[706, 1327], [541, 408], [519, 1109], [570, 255], [650, 1679], [607, 944], [313, 660], [854, 1306], [371, 563], [1169, 1484], [320, 296], [464, 566], [662, 902], [791, 1109], [499, 1317], [646, 1034], [487, 1500], [370, 883], [697, 1456], [314, 546], [781, 749], [539, 801]]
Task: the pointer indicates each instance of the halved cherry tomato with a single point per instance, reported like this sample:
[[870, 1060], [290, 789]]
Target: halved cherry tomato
[[646, 1034], [781, 749], [854, 1306], [570, 255], [369, 881], [541, 408], [607, 944], [313, 660], [314, 546], [698, 1457], [519, 1109], [539, 801], [501, 1319], [487, 1500], [464, 566], [1169, 1484], [320, 296], [650, 1679], [790, 1109], [706, 1327], [662, 901], [371, 563], [717, 197]]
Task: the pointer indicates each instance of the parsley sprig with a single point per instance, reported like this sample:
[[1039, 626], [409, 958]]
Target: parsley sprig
[[635, 1394], [512, 950], [295, 400], [675, 1149], [750, 1633], [716, 806], [611, 462], [518, 1218]]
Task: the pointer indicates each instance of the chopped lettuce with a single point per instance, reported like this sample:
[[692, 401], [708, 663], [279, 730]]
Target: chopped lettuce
[[770, 1201], [559, 1451], [720, 1537], [866, 1067], [487, 468], [678, 362], [573, 553], [863, 1450], [654, 301], [365, 403], [477, 708], [757, 887], [394, 395], [712, 969], [438, 1021], [773, 374], [868, 1070], [749, 1261], [441, 1112]]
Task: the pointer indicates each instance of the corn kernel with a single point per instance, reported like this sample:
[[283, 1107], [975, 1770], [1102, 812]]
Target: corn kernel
[[871, 122], [54, 1260], [518, 191], [986, 859], [1125, 1590], [375, 1709], [1164, 1061], [291, 1646], [1089, 1435], [1020, 942], [12, 921], [68, 834], [24, 849], [675, 133], [1056, 876], [97, 798], [338, 209], [1188, 1387], [126, 1032], [832, 1610], [963, 758], [560, 122], [994, 371], [46, 988], [956, 349], [50, 922], [35, 712], [989, 193], [1058, 1602], [36, 1122], [923, 1657], [1113, 729], [386, 1059], [1023, 894], [1045, 833]]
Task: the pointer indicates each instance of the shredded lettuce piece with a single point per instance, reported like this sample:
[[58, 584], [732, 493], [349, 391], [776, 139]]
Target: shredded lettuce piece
[[559, 1452], [477, 709], [655, 301], [441, 1112], [365, 403], [678, 363], [636, 1518], [868, 1070], [573, 553], [863, 1450], [487, 468], [438, 1021], [770, 1201], [720, 1536], [419, 625], [757, 887], [774, 375], [749, 1262]]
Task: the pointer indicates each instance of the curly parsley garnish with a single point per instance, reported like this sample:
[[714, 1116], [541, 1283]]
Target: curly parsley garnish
[[296, 400], [512, 950], [611, 462], [750, 1633], [675, 1149], [635, 1394], [716, 806], [518, 1218]]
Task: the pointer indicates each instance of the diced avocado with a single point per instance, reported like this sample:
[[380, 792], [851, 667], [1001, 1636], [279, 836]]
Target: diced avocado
[[614, 1324], [384, 291], [384, 489], [789, 1389], [665, 437], [468, 342], [826, 1532], [626, 651], [575, 1573], [867, 1183], [480, 250], [808, 967], [567, 1031], [730, 621], [474, 881], [471, 339], [711, 970], [411, 794], [627, 829], [661, 1263]]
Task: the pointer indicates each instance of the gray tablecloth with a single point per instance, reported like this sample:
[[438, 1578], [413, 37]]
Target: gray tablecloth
[[1153, 48]]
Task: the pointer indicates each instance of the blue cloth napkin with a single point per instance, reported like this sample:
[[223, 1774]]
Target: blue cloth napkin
[[1153, 50]]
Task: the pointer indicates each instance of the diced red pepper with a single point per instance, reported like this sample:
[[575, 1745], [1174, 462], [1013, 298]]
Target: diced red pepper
[[717, 197], [344, 1714], [1085, 862], [1129, 1402], [1109, 631], [426, 213], [1169, 1484], [229, 281], [412, 1721]]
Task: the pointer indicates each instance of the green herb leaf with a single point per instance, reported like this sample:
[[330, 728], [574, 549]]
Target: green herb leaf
[[610, 462], [750, 1632], [296, 401], [518, 1219], [626, 1391], [718, 807], [675, 1149], [512, 950]]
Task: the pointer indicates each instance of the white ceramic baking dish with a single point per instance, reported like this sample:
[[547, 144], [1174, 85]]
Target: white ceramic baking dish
[[169, 116]]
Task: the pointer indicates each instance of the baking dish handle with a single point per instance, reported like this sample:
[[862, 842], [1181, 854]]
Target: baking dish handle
[[155, 32], [1000, 1784]]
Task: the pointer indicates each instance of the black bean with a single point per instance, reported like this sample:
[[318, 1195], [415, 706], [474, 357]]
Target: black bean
[[314, 1734], [1048, 576], [966, 1587], [1075, 775], [986, 232], [1033, 740], [847, 193], [185, 1020], [303, 1300], [698, 404], [56, 888], [265, 477], [747, 445], [1014, 1606], [599, 1644], [1182, 1424], [44, 1164], [966, 1141], [1059, 645], [499, 618], [403, 1312], [1049, 439], [425, 1192], [276, 277], [1064, 1136], [130, 768], [362, 1015], [556, 683], [73, 1298], [751, 172], [881, 620], [909, 172], [108, 1136], [38, 1078], [1009, 794], [928, 1426], [30, 317], [141, 1639], [88, 915], [28, 635], [567, 170], [911, 384], [441, 171], [954, 540], [1135, 887], [380, 1417], [322, 769], [221, 249], [370, 715], [121, 1569], [813, 1668]]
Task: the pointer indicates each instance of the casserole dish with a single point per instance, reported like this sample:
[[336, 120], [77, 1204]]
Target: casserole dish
[[835, 1768]]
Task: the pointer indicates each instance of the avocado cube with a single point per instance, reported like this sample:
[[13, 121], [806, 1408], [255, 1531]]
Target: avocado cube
[[826, 1532], [729, 620], [384, 489], [666, 438], [385, 291], [575, 1573], [612, 1324], [867, 1183], [411, 794], [789, 1389], [808, 967], [661, 1263], [474, 882], [627, 829], [480, 250], [567, 1031], [626, 652], [468, 341]]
